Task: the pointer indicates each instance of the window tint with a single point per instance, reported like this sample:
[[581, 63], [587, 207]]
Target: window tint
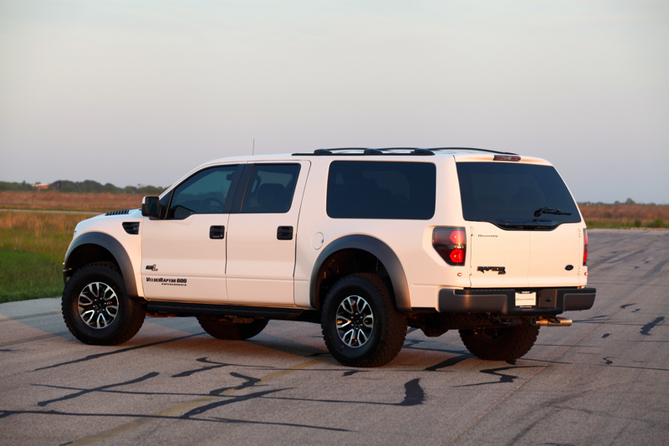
[[205, 192], [503, 191], [381, 189], [270, 188]]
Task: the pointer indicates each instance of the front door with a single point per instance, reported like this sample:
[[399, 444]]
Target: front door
[[184, 255]]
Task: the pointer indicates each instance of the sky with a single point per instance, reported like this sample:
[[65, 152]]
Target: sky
[[139, 92]]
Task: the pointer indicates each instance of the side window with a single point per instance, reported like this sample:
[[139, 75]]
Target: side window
[[270, 188], [381, 189], [206, 192]]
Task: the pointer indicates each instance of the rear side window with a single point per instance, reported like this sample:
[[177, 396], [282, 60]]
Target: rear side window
[[506, 192], [270, 189], [381, 189]]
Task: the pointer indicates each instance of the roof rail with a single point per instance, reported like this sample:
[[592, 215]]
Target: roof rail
[[370, 151], [472, 149], [395, 151]]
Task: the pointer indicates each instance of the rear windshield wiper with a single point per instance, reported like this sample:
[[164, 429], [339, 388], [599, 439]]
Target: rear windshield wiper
[[553, 211], [520, 223]]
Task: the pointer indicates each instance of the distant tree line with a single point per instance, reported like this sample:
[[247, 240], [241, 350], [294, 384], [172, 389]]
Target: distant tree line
[[87, 186], [16, 186]]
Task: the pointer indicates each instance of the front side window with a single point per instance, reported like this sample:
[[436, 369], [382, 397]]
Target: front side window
[[381, 189], [270, 189], [205, 192]]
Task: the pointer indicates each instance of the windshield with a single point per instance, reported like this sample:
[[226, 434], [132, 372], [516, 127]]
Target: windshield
[[513, 194]]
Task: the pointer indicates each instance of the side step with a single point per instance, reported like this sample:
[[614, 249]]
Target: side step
[[552, 322], [168, 309]]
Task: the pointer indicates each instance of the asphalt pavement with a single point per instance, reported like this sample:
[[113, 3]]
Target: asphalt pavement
[[602, 381]]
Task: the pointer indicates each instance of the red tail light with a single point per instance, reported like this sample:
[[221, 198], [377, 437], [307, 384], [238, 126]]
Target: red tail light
[[451, 244], [585, 246]]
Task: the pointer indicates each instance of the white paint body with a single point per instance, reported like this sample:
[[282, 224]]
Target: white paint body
[[249, 266]]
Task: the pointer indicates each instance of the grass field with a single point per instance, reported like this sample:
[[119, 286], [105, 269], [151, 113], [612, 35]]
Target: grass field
[[33, 244], [625, 215], [52, 200], [32, 247]]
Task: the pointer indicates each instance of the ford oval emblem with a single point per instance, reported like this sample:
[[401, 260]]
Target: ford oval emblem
[[569, 267]]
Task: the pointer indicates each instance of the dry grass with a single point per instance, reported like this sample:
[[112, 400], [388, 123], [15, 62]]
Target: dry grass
[[52, 200], [626, 215], [43, 233]]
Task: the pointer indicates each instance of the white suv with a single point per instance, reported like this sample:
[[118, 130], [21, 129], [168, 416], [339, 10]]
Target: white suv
[[363, 241]]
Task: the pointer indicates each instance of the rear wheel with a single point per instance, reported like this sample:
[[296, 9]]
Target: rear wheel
[[360, 326], [500, 343], [232, 331], [96, 308]]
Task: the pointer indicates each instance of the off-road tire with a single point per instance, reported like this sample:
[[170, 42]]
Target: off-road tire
[[499, 343], [97, 309], [370, 339], [232, 331]]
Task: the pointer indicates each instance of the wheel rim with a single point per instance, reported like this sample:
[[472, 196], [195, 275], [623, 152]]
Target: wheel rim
[[98, 305], [355, 321]]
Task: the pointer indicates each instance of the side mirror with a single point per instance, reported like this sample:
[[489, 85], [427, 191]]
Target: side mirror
[[151, 207]]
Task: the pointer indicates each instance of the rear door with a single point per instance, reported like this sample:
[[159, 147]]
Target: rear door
[[499, 258], [525, 229], [262, 231], [556, 257]]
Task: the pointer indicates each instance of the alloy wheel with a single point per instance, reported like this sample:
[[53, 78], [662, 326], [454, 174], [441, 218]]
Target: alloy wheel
[[355, 321], [98, 305]]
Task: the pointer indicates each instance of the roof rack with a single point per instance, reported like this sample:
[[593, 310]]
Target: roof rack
[[472, 149], [395, 151]]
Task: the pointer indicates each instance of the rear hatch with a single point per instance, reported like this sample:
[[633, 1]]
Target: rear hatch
[[525, 228]]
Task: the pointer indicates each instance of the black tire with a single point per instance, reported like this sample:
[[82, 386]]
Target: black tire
[[360, 326], [232, 331], [500, 343], [97, 309]]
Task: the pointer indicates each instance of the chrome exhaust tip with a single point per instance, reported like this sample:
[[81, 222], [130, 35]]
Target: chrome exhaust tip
[[552, 322]]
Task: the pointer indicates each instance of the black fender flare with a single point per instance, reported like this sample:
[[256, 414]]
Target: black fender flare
[[115, 248], [378, 249]]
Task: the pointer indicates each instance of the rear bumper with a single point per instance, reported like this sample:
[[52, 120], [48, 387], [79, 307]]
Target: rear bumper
[[549, 301]]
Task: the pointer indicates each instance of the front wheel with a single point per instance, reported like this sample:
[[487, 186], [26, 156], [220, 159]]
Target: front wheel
[[360, 326], [96, 307], [500, 343]]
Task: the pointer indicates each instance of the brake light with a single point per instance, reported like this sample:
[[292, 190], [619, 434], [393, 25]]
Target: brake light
[[585, 246], [506, 158], [451, 244]]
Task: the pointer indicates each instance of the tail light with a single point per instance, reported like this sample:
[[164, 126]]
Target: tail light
[[585, 247], [451, 244]]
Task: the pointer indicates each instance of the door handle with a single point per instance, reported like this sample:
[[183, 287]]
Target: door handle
[[284, 233], [217, 232]]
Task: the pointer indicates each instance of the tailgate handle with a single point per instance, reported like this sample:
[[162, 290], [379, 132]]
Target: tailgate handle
[[217, 232], [284, 233]]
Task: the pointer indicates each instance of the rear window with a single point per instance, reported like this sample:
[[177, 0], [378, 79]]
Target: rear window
[[509, 193], [381, 189]]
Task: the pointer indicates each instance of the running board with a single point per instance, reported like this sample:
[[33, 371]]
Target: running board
[[167, 309]]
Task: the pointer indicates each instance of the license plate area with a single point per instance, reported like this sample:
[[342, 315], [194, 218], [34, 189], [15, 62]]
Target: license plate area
[[526, 299]]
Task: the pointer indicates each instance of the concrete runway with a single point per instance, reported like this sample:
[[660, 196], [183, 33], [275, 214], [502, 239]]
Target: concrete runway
[[602, 381]]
